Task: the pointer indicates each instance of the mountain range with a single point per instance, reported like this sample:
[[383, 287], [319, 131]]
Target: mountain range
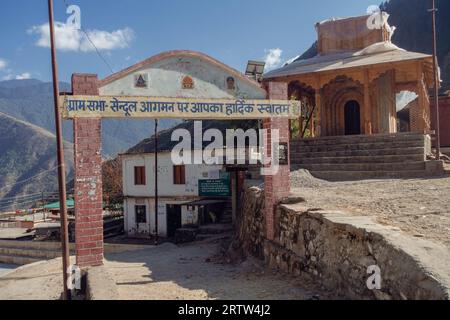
[[27, 141], [28, 165]]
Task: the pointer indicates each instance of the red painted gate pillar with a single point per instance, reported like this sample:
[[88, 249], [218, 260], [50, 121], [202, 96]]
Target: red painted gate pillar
[[277, 186], [88, 179]]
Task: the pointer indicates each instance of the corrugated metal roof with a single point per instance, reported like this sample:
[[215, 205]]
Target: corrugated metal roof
[[343, 60]]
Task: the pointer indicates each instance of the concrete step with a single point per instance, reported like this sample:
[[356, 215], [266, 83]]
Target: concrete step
[[360, 159], [366, 175], [359, 153], [334, 140], [215, 228], [356, 146], [30, 245], [407, 166], [32, 253], [21, 261]]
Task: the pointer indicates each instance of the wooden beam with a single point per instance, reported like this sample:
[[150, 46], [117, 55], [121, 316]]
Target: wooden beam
[[367, 114], [319, 113]]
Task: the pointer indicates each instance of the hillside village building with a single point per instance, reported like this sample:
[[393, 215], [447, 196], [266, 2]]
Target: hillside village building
[[180, 202], [351, 85], [349, 89], [350, 128], [192, 81]]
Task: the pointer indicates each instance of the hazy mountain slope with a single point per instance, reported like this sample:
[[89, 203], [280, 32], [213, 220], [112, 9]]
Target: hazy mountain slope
[[32, 101], [27, 161]]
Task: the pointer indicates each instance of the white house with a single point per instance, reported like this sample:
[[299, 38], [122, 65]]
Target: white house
[[181, 74], [179, 192]]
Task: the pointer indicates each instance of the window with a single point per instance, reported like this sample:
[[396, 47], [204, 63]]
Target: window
[[141, 214], [139, 176], [179, 175]]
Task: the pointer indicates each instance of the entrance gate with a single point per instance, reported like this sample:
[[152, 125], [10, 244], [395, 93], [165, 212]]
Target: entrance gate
[[86, 107], [352, 114]]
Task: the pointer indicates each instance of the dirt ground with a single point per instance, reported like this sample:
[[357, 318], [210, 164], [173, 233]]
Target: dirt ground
[[419, 207], [193, 272], [190, 272], [39, 281]]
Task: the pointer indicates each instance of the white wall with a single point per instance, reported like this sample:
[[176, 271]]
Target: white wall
[[132, 229], [166, 187], [165, 78]]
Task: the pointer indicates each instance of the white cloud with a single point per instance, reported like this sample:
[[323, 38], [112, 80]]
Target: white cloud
[[23, 76], [70, 39], [3, 64], [273, 58]]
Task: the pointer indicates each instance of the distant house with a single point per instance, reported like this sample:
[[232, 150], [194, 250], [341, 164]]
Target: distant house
[[184, 196], [54, 207], [191, 194]]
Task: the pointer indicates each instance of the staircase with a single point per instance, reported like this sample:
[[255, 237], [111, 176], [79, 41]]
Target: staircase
[[227, 215], [26, 252], [401, 155]]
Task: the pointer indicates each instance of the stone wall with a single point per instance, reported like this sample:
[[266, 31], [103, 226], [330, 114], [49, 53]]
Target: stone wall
[[252, 224], [336, 250]]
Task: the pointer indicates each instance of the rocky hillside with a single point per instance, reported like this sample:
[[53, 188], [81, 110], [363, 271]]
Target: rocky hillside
[[32, 101], [28, 163], [414, 29]]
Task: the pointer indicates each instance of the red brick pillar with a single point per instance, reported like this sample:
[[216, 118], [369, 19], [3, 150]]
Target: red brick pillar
[[277, 186], [88, 180]]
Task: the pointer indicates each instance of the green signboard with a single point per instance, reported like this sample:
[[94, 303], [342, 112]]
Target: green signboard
[[215, 187]]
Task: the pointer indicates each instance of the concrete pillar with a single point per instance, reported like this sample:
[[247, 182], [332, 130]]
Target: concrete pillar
[[277, 186], [88, 180]]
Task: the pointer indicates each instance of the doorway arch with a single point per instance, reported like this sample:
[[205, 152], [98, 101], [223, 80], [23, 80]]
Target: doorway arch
[[352, 115]]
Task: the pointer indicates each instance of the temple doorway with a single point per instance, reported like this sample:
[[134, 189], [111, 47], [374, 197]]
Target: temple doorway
[[352, 118]]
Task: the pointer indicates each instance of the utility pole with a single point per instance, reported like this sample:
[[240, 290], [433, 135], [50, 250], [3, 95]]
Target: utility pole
[[436, 82], [61, 164], [156, 182]]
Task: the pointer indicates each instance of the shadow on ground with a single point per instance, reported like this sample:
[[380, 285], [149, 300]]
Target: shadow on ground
[[194, 272]]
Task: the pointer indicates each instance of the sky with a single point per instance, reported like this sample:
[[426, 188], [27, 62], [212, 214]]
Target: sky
[[126, 32]]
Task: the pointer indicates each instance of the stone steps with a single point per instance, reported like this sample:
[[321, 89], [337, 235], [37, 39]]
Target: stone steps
[[32, 253], [361, 139], [367, 175], [296, 147], [385, 167], [360, 159], [214, 229], [18, 260], [364, 157], [25, 252], [358, 153]]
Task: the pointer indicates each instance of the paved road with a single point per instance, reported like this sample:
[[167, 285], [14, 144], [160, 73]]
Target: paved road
[[5, 268]]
